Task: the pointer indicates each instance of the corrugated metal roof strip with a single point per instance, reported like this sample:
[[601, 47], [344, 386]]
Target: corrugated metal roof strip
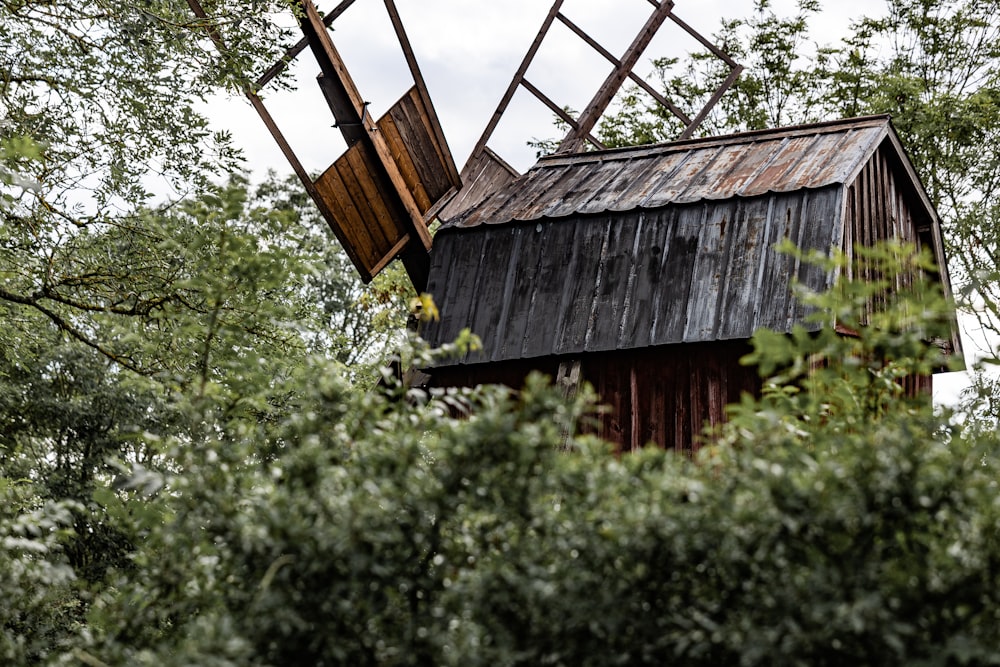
[[743, 165]]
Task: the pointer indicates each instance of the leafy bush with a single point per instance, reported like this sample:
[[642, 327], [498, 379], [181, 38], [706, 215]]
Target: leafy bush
[[833, 521]]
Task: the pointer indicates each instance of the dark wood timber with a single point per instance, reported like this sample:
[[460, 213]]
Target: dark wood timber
[[516, 81], [599, 104], [300, 46]]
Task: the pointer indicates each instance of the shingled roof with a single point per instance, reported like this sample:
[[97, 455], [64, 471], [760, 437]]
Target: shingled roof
[[665, 244]]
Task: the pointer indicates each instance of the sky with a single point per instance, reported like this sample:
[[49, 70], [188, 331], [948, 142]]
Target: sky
[[468, 51]]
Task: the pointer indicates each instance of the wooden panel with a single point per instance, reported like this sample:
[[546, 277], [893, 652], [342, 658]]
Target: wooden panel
[[443, 273], [432, 161], [534, 246], [399, 148], [819, 232], [496, 331], [652, 246], [615, 274], [359, 172], [580, 285], [362, 219], [369, 213], [455, 293], [663, 395], [707, 273], [670, 304], [550, 287], [742, 289], [776, 271], [488, 294]]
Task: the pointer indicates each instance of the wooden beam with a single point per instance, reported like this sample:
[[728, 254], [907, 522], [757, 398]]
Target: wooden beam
[[354, 121], [516, 81], [638, 80], [300, 46], [606, 93], [418, 78]]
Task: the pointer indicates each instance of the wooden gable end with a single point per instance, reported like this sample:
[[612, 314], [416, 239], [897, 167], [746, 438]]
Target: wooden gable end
[[884, 202]]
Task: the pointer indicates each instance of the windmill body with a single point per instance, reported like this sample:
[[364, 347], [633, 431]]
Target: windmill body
[[643, 271], [648, 269]]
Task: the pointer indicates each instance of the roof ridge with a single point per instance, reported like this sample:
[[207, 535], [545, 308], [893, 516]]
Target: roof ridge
[[750, 136]]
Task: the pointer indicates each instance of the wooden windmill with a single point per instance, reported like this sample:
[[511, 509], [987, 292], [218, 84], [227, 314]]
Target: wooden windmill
[[643, 270]]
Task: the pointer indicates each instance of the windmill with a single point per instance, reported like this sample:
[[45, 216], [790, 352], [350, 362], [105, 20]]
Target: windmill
[[398, 173], [642, 270]]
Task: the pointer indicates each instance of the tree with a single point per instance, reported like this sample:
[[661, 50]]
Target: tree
[[832, 521], [185, 481]]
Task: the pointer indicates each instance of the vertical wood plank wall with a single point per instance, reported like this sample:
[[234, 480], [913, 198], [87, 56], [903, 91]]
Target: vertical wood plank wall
[[661, 396], [876, 211]]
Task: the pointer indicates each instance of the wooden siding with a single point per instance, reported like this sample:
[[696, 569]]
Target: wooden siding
[[485, 174], [681, 274], [663, 396], [877, 210], [881, 205], [366, 210], [666, 396], [660, 396]]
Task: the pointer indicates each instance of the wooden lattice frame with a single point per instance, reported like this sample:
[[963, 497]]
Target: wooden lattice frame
[[582, 126], [378, 196]]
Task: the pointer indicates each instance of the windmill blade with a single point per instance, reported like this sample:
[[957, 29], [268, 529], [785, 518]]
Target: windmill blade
[[396, 169], [379, 196], [485, 171]]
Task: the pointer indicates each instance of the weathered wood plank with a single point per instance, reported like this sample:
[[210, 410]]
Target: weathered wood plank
[[496, 331], [707, 272], [689, 169], [822, 206], [574, 198], [776, 270], [401, 154], [580, 284], [414, 127], [484, 175], [735, 318], [651, 250], [356, 171], [613, 277], [671, 302], [547, 303], [346, 222], [488, 295], [534, 252]]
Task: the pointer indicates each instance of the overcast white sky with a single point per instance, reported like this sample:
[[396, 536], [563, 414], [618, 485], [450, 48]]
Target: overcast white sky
[[468, 51]]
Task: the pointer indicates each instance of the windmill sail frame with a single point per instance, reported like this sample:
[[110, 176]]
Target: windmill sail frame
[[489, 172], [379, 196]]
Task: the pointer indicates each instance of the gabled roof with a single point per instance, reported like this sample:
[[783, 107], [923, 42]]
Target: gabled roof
[[669, 244], [740, 165]]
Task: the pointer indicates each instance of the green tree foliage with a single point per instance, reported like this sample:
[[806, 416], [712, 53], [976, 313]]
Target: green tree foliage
[[832, 521]]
